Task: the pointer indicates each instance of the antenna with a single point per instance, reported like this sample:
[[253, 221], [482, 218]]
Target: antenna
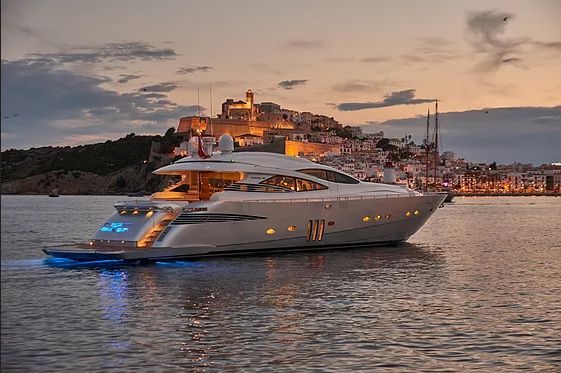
[[210, 120], [198, 103]]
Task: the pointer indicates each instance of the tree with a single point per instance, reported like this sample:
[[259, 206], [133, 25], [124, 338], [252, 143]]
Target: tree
[[384, 144], [170, 132]]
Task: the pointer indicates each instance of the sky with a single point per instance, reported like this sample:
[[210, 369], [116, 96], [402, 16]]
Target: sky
[[76, 72]]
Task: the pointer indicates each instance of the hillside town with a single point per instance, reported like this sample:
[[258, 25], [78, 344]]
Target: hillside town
[[267, 126]]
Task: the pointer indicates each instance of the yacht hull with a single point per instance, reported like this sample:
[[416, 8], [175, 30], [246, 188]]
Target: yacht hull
[[241, 227], [176, 253]]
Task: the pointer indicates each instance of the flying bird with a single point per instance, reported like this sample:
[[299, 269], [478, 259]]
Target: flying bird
[[486, 111], [144, 90], [505, 19], [16, 115], [6, 117]]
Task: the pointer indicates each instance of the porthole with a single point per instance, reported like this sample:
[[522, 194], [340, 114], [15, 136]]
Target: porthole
[[408, 213], [366, 218], [327, 206], [331, 223], [417, 212], [292, 228], [378, 217], [271, 231], [387, 216]]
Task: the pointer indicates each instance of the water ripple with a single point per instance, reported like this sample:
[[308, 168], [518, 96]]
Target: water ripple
[[476, 289]]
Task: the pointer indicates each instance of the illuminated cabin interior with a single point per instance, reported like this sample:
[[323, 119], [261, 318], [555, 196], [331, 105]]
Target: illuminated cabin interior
[[197, 185]]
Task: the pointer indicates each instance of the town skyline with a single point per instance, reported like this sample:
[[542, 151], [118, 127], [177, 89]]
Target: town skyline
[[492, 66]]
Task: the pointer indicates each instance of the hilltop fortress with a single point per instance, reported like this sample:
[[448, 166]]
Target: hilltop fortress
[[260, 121]]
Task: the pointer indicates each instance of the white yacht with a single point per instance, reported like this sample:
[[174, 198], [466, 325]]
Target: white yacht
[[241, 202]]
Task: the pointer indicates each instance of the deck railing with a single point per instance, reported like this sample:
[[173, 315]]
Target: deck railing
[[339, 198], [324, 199]]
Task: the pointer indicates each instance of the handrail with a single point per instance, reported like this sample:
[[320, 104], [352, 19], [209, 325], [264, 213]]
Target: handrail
[[314, 199], [339, 198]]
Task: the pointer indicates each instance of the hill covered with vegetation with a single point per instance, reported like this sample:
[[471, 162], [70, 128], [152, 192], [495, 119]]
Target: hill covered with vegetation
[[108, 164], [100, 159]]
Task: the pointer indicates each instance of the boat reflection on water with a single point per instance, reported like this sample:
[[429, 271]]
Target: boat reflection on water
[[206, 301]]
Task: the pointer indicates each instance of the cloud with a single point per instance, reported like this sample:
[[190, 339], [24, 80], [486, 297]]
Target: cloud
[[505, 135], [266, 68], [129, 51], [290, 84], [14, 15], [124, 78], [431, 50], [339, 59], [374, 59], [305, 44], [354, 85], [406, 97], [57, 103], [546, 119], [161, 87], [553, 45], [512, 60], [194, 69], [485, 32]]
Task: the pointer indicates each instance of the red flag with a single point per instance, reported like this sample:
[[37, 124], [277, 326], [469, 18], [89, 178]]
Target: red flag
[[201, 151]]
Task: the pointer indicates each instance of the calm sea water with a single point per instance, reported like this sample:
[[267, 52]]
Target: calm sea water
[[479, 287]]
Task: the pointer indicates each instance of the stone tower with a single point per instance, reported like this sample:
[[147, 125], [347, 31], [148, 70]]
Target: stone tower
[[250, 104]]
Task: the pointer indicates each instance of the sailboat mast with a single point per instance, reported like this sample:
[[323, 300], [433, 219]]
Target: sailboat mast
[[427, 152], [210, 119], [435, 142]]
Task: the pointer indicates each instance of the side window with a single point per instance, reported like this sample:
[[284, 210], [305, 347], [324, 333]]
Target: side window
[[296, 184], [320, 174], [282, 181], [330, 176], [307, 185], [340, 178]]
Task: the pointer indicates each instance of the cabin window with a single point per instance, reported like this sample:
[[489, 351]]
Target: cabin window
[[307, 185], [196, 186], [330, 175], [295, 184], [214, 182], [281, 181]]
